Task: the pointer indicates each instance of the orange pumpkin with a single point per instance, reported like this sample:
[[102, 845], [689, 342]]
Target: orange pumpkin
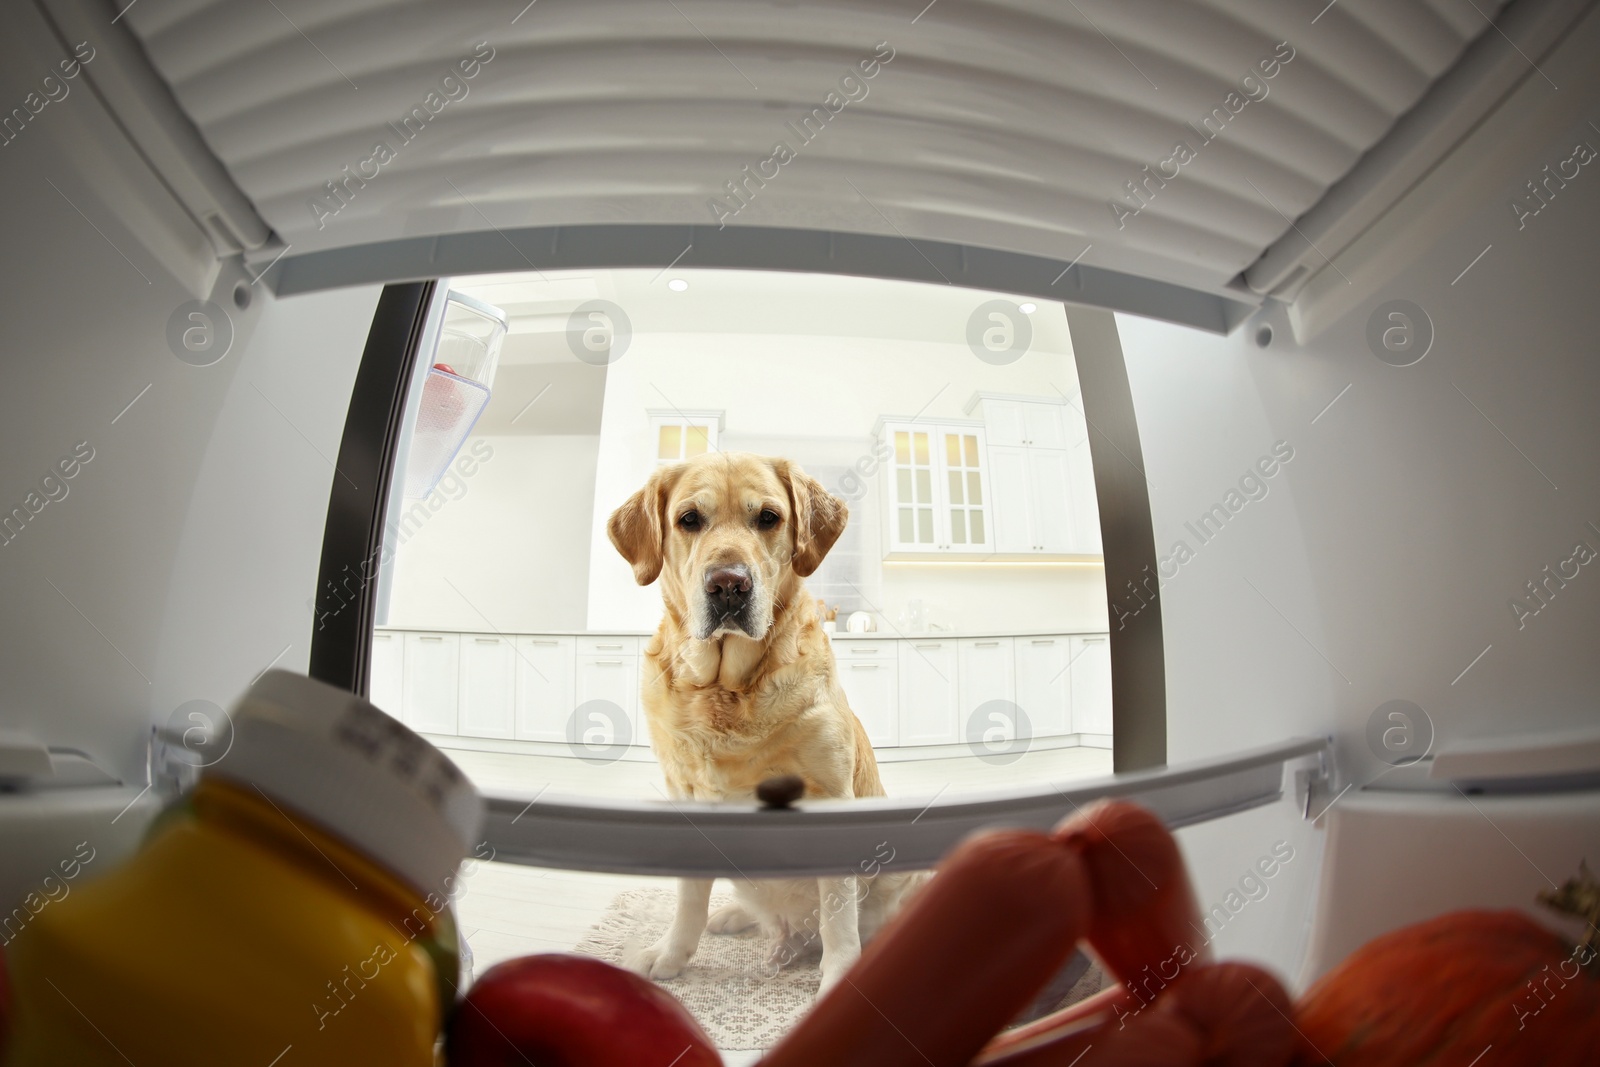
[[1470, 987]]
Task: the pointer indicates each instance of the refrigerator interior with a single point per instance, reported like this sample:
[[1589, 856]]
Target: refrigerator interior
[[1415, 544]]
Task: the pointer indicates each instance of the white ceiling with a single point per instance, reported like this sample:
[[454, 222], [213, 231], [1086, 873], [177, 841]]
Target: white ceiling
[[754, 306], [1007, 125]]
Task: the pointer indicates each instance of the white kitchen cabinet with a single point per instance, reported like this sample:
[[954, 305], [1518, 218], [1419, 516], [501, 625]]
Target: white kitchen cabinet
[[1091, 685], [432, 678], [1033, 423], [937, 492], [614, 679], [488, 686], [1032, 503], [1049, 501], [1044, 683], [928, 692], [545, 667], [907, 690], [1044, 425], [1002, 419], [386, 678], [869, 676], [1008, 478], [1043, 495], [985, 671]]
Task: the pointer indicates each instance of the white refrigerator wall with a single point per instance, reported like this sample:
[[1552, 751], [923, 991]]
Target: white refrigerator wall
[[177, 561], [1389, 556]]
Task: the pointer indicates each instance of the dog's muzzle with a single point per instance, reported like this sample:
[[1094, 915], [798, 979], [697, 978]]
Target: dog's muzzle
[[728, 592]]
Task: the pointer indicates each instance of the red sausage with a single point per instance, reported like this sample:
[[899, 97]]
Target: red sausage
[[1059, 1026], [970, 950], [1221, 1015], [1145, 1039], [1145, 925], [1242, 1011]]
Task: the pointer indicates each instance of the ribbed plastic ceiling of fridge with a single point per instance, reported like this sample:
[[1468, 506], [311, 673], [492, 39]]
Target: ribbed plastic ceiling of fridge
[[1175, 140]]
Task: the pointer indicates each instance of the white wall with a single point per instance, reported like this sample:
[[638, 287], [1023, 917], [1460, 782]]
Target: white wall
[[1417, 506], [179, 562], [808, 393], [512, 537]]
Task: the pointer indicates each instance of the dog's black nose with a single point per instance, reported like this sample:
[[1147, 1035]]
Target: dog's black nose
[[728, 587]]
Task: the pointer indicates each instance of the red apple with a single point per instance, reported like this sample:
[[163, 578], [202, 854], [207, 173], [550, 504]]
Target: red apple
[[560, 1010]]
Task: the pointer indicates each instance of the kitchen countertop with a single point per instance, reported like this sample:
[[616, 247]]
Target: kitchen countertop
[[875, 635], [964, 635]]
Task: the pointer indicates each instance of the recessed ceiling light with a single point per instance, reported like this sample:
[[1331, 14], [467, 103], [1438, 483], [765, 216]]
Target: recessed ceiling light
[[677, 285], [1028, 308]]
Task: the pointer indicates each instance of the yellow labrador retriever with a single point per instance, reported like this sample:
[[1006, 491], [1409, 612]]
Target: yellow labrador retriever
[[739, 685]]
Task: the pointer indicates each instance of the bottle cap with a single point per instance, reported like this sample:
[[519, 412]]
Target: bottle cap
[[353, 769]]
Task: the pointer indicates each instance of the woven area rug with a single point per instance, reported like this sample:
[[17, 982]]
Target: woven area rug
[[726, 985]]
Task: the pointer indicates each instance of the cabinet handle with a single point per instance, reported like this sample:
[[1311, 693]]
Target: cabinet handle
[[487, 640], [870, 650], [608, 663], [430, 639], [536, 641], [986, 644], [1045, 641], [610, 648], [1093, 640], [928, 646], [863, 666]]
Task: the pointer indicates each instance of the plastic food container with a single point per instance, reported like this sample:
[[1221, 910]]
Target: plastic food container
[[293, 908]]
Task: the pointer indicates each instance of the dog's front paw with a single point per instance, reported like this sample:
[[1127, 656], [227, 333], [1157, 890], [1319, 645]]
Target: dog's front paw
[[660, 961], [833, 973]]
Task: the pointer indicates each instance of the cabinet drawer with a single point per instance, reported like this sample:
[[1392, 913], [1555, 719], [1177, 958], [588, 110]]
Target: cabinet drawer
[[851, 650], [603, 645]]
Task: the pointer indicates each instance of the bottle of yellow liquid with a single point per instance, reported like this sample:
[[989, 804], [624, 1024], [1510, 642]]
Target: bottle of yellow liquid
[[291, 911]]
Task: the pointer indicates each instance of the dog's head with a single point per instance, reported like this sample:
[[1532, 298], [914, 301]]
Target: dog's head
[[730, 535]]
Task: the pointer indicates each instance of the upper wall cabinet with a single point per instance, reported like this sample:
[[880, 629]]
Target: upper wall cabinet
[[1043, 482], [936, 489], [1038, 423]]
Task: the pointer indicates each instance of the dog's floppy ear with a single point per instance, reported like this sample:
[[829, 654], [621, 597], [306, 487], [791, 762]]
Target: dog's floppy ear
[[638, 528], [819, 517]]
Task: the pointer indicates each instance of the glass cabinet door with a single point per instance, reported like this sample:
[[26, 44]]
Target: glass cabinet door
[[965, 493], [913, 525], [938, 489]]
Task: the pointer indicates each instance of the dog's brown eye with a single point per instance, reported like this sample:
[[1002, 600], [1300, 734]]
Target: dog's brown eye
[[689, 520], [767, 519]]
